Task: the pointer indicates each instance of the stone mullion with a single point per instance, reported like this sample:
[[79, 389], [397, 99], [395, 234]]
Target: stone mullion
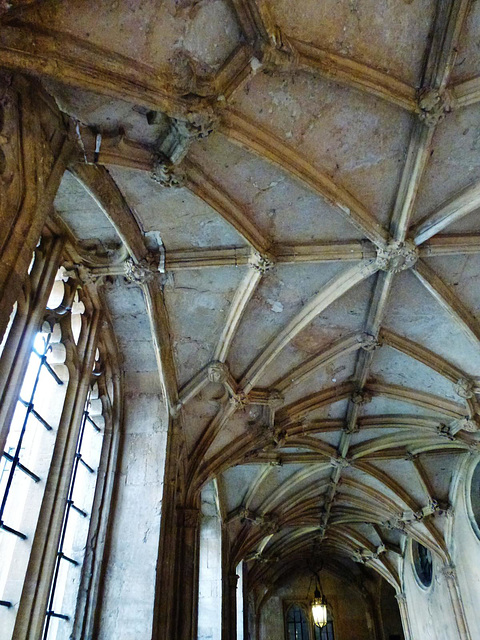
[[36, 169], [27, 322], [36, 590], [95, 557]]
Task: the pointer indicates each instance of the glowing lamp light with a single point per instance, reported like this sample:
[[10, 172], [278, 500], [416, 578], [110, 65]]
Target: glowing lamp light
[[319, 609]]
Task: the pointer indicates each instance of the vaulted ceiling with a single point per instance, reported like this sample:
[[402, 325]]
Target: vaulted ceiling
[[297, 192]]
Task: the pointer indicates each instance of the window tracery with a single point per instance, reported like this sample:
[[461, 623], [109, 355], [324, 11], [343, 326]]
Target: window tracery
[[56, 406]]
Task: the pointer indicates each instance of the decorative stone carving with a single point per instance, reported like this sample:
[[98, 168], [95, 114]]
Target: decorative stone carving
[[401, 597], [261, 262], [275, 399], [276, 462], [369, 342], [218, 372], [360, 397], [198, 125], [449, 572], [464, 424], [339, 463], [140, 272], [397, 256], [239, 400], [465, 388], [433, 106], [166, 173], [395, 524], [444, 431]]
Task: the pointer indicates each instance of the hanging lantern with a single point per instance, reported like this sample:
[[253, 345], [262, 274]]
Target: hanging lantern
[[319, 609]]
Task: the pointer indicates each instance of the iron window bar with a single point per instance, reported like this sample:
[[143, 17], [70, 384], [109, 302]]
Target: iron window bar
[[5, 527], [68, 507], [5, 603], [22, 467], [92, 422], [32, 410], [54, 614], [16, 458]]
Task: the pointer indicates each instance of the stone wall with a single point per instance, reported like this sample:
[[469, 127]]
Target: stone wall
[[129, 582], [350, 616], [432, 611]]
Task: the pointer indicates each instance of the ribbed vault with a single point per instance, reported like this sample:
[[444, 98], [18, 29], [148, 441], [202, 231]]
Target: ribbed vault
[[314, 217]]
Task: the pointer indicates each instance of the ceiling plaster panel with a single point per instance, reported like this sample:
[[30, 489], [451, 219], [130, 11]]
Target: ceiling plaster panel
[[440, 468], [387, 34], [281, 207], [170, 35], [82, 214], [358, 140], [334, 373], [370, 481], [332, 437], [403, 473], [454, 160], [236, 482], [132, 327], [461, 273], [291, 357], [198, 414], [105, 114], [182, 219], [346, 315], [278, 478], [393, 367], [198, 304], [467, 63], [383, 406], [415, 314], [279, 297], [335, 410]]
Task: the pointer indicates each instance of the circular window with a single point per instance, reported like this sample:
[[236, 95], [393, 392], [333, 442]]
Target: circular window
[[475, 499], [422, 561]]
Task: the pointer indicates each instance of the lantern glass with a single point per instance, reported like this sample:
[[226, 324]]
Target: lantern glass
[[319, 612]]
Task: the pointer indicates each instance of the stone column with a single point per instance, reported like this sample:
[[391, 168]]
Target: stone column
[[34, 151], [166, 594], [402, 605], [450, 574], [187, 571], [232, 581]]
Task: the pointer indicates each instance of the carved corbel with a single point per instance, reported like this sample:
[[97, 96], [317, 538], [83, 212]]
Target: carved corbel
[[278, 52], [397, 256], [239, 400], [449, 572], [470, 425], [339, 463], [433, 106], [369, 342], [218, 372], [465, 388], [395, 524], [360, 397], [261, 262], [276, 462], [166, 173], [444, 431], [140, 272]]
